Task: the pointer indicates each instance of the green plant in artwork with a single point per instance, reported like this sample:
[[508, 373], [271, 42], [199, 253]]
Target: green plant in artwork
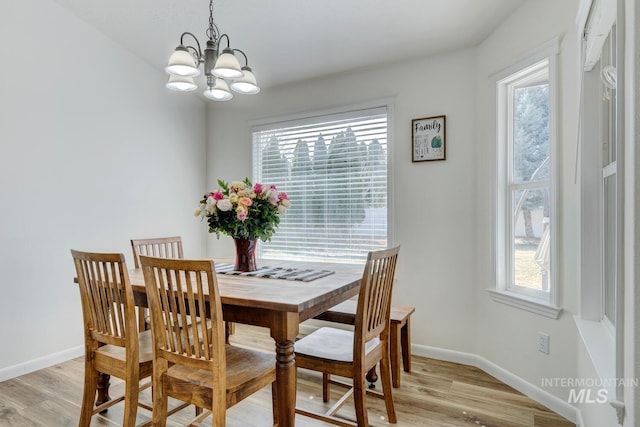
[[436, 142]]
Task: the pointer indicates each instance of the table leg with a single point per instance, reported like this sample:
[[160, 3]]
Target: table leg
[[103, 390], [284, 332], [372, 377]]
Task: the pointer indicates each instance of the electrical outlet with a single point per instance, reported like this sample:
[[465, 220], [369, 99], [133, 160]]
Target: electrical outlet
[[543, 342]]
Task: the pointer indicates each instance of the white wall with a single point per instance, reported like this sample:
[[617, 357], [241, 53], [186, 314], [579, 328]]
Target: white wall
[[445, 266], [434, 208], [506, 335], [80, 147], [93, 152]]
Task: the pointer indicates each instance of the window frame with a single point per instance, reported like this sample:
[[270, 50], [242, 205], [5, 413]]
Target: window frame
[[603, 340], [609, 169], [545, 304], [275, 122]]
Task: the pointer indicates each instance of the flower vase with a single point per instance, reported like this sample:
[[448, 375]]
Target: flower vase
[[245, 254]]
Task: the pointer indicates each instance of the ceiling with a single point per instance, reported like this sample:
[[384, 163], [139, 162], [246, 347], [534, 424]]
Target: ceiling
[[294, 40]]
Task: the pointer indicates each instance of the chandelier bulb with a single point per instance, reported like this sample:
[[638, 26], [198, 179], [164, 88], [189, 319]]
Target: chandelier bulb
[[219, 91], [227, 66], [246, 84], [181, 83], [182, 63]]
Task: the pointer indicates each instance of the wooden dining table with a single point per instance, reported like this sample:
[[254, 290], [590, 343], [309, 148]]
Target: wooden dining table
[[280, 305]]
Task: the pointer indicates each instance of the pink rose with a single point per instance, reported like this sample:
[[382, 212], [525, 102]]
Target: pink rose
[[218, 195], [257, 188], [242, 215], [272, 196], [283, 196]]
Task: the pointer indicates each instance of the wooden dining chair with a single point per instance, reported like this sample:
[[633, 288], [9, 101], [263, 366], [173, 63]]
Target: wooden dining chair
[[161, 247], [351, 354], [400, 333], [113, 345], [192, 363]]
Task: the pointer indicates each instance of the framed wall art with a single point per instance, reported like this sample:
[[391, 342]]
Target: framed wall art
[[428, 139]]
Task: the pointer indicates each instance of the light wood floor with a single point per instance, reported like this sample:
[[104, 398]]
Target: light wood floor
[[435, 393]]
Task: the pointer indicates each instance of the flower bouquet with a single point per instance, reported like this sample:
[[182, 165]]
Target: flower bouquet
[[246, 212]]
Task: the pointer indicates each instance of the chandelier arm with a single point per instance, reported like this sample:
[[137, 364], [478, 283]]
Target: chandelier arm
[[246, 60], [228, 41], [198, 52]]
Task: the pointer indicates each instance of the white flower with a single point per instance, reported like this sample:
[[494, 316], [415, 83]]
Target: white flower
[[238, 185], [281, 209], [210, 206], [286, 203], [272, 195], [224, 205], [198, 211]]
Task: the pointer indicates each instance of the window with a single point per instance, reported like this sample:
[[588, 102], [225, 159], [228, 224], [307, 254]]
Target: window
[[609, 204], [602, 191], [601, 155], [334, 167], [525, 208]]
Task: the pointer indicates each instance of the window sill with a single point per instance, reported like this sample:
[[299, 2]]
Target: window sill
[[600, 345], [525, 303]]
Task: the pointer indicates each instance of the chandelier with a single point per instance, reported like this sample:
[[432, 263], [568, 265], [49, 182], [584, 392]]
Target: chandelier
[[221, 69]]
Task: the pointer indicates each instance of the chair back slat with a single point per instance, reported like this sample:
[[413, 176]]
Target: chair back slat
[[159, 247], [107, 298], [186, 312], [374, 302]]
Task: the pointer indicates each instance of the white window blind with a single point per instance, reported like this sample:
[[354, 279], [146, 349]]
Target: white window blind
[[334, 169]]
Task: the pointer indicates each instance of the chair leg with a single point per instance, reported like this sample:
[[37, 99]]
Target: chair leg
[[326, 390], [219, 415], [132, 390], [229, 329], [360, 400], [385, 373], [89, 394], [160, 400], [394, 340], [405, 337], [142, 319]]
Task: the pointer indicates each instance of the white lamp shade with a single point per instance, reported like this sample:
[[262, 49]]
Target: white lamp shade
[[181, 63], [181, 83], [227, 66], [219, 92], [246, 84]]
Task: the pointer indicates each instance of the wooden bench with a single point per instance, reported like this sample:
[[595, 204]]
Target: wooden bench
[[400, 332]]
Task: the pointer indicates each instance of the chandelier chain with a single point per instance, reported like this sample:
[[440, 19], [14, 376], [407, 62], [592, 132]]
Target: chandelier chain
[[212, 31]]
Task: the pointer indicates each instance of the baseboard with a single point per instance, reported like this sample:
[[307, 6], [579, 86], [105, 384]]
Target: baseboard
[[40, 363], [536, 393], [541, 396]]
